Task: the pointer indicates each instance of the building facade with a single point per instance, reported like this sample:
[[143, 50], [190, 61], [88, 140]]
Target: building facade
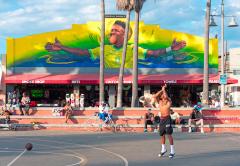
[[52, 77]]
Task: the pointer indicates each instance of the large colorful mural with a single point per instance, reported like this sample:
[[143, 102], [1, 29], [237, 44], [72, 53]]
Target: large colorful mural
[[80, 47]]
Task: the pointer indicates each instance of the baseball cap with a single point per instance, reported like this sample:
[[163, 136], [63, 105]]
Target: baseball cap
[[197, 107]]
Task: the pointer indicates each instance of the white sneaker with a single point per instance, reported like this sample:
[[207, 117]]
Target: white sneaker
[[162, 153], [189, 130], [155, 130], [202, 131]]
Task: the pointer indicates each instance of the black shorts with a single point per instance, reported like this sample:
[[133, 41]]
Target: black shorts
[[157, 119], [149, 122], [196, 115], [165, 126]]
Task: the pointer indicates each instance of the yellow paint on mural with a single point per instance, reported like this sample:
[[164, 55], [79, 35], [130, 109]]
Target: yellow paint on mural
[[87, 36]]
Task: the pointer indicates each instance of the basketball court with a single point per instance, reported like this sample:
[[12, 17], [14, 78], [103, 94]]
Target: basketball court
[[61, 148]]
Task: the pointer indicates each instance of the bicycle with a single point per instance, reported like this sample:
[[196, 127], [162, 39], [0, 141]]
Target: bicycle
[[109, 123], [92, 122], [125, 126]]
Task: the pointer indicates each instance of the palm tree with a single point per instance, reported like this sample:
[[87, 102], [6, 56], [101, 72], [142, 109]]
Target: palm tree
[[101, 74], [137, 8], [123, 5], [206, 55]]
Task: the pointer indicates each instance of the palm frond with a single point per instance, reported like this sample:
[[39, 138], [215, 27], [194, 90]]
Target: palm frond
[[124, 4]]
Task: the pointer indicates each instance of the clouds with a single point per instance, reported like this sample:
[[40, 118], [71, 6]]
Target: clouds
[[25, 17], [34, 16], [177, 15]]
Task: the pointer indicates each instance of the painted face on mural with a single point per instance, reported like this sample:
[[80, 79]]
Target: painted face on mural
[[117, 35]]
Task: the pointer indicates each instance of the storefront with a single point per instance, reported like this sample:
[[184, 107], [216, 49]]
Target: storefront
[[50, 90]]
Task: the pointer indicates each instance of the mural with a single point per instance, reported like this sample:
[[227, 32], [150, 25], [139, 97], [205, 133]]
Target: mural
[[80, 47]]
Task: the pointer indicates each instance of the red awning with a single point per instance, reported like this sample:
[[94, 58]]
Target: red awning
[[112, 79]]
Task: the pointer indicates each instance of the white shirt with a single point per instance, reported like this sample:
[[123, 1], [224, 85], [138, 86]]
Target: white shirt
[[217, 104], [103, 109], [175, 116]]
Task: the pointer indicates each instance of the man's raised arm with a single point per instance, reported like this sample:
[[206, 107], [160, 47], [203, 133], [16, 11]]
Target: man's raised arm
[[157, 95]]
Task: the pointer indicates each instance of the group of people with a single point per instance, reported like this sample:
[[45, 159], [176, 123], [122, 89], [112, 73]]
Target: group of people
[[12, 102], [194, 117], [15, 100], [151, 119], [24, 106], [167, 117], [103, 113]]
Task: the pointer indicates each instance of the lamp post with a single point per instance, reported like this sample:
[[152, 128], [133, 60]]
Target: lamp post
[[231, 24]]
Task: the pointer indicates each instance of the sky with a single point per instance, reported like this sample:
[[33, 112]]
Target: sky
[[21, 18]]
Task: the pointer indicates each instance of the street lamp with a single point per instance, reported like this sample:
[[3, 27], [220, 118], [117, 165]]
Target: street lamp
[[232, 23]]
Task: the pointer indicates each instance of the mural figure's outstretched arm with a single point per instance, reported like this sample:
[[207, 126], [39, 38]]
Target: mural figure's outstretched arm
[[57, 46], [174, 47]]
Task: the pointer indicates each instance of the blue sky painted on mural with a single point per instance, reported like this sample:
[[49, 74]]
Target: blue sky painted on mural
[[25, 17]]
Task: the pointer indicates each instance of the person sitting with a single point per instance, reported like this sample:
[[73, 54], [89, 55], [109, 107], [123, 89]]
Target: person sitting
[[215, 103], [25, 104], [7, 114], [175, 117], [197, 117], [104, 112], [68, 111], [150, 119]]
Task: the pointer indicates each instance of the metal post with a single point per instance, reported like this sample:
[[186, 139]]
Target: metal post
[[222, 99]]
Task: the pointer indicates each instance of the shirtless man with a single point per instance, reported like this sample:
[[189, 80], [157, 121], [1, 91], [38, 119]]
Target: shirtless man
[[165, 103]]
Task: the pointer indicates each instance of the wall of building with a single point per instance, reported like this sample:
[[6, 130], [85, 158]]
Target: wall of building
[[2, 77], [234, 72]]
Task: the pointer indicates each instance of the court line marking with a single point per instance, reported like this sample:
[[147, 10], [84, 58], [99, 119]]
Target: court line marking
[[82, 145], [45, 152], [15, 159], [82, 157]]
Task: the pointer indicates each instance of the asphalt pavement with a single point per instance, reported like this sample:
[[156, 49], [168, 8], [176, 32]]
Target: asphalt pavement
[[61, 148]]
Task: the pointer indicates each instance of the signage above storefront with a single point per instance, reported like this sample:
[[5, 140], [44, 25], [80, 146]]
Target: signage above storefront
[[112, 79], [76, 81], [33, 81], [223, 79]]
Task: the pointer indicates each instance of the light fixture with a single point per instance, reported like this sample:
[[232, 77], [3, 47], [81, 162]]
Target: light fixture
[[232, 22], [212, 22]]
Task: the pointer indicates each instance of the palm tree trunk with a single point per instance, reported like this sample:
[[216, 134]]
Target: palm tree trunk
[[135, 61], [121, 71], [205, 98], [101, 74]]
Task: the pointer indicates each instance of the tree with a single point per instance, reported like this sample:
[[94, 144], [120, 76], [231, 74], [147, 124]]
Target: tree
[[101, 74], [137, 8], [205, 99], [128, 6]]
